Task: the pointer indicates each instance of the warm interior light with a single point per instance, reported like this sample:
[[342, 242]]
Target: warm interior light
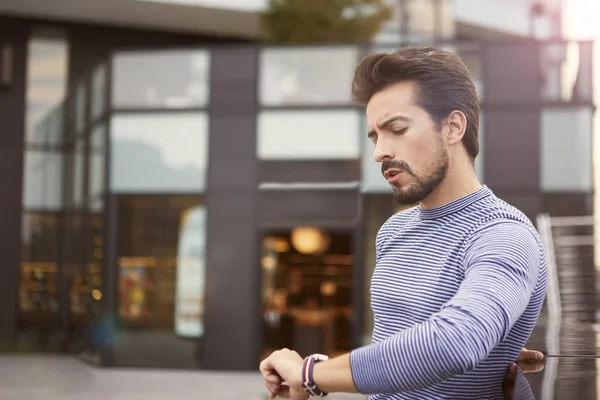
[[310, 240]]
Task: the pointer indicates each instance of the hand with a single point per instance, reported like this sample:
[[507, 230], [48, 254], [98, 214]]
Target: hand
[[282, 372], [528, 361], [530, 356]]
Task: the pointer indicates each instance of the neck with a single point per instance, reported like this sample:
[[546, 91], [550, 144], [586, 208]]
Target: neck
[[460, 181]]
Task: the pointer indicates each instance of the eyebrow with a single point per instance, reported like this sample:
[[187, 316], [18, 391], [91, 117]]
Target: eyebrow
[[388, 122]]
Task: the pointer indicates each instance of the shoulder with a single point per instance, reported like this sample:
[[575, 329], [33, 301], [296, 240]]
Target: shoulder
[[394, 224], [503, 229]]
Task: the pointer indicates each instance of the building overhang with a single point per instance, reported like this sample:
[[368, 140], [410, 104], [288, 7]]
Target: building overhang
[[170, 17]]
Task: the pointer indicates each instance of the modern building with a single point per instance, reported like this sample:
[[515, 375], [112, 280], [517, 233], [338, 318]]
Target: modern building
[[178, 196]]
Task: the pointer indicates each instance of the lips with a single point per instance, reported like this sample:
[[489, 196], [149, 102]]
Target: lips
[[392, 174]]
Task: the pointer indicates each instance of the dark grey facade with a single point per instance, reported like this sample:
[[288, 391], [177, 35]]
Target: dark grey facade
[[130, 127]]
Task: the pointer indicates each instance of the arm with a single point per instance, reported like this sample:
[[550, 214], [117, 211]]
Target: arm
[[501, 270]]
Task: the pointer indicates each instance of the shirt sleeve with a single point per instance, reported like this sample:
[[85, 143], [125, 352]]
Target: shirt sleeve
[[502, 264]]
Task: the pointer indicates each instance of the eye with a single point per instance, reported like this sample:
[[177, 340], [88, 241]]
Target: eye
[[400, 131]]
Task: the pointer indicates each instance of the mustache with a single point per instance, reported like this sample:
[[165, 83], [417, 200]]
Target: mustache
[[396, 164]]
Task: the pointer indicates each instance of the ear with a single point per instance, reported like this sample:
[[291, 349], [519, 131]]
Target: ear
[[457, 125]]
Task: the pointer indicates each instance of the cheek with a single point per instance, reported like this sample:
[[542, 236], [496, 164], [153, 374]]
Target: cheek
[[419, 152]]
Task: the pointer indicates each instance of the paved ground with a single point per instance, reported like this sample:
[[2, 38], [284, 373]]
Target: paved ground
[[65, 378]]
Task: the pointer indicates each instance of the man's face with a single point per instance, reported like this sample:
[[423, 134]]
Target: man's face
[[412, 151]]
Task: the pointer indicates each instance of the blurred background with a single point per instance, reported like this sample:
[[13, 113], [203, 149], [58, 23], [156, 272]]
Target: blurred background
[[186, 184]]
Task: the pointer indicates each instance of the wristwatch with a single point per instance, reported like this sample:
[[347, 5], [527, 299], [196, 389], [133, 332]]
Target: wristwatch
[[308, 382]]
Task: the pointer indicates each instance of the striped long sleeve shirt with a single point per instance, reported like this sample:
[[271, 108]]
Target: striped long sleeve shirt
[[455, 294]]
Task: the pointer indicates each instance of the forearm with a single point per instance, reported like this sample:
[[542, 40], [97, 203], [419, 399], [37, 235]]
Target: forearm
[[335, 375]]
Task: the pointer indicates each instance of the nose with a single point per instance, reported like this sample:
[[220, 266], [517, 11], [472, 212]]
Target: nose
[[383, 150]]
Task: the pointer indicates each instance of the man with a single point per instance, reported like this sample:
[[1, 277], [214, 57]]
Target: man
[[460, 279]]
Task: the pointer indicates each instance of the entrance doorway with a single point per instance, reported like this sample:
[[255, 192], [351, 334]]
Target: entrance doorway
[[160, 264], [307, 290]]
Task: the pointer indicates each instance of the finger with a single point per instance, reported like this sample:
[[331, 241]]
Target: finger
[[512, 372], [284, 392], [531, 367], [530, 356], [273, 377]]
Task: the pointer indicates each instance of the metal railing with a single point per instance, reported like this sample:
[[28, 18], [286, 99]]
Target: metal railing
[[571, 298]]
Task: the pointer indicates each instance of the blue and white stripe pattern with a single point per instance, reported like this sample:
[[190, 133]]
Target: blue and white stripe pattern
[[455, 294]]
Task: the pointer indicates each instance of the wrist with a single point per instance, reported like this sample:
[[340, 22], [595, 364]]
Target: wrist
[[307, 378]]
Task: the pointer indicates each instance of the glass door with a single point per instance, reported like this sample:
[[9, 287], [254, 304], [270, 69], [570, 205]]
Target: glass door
[[160, 280], [307, 290]]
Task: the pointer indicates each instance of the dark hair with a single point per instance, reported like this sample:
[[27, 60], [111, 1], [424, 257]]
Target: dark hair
[[442, 82]]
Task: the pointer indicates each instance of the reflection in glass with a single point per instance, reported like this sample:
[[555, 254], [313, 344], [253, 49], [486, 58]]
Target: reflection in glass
[[81, 107], [86, 289], [99, 86], [171, 79], [566, 159], [318, 134], [307, 291], [42, 180], [97, 170], [38, 298], [307, 76], [47, 72], [78, 172], [161, 244], [191, 256], [159, 153]]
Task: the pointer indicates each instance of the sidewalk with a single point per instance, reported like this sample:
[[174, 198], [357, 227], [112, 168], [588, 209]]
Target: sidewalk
[[66, 378]]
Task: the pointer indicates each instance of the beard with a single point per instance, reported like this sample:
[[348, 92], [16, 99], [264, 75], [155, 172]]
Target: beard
[[422, 185]]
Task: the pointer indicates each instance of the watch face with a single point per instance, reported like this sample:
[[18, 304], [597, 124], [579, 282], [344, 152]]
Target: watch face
[[320, 357]]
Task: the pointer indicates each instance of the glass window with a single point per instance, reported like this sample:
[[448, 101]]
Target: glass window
[[307, 290], [161, 263], [47, 73], [80, 108], [307, 76], [316, 134], [566, 157], [176, 79], [38, 295], [97, 171], [159, 153], [42, 189], [98, 99], [78, 172]]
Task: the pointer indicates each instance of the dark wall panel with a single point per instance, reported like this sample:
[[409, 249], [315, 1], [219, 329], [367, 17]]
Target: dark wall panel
[[309, 171], [568, 204], [512, 74], [233, 318], [12, 115], [309, 207], [512, 149]]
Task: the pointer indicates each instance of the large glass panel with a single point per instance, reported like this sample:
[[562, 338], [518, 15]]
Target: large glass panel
[[307, 290], [47, 72], [159, 153], [566, 155], [316, 134], [161, 262], [38, 295], [307, 76], [78, 173], [97, 171], [99, 86], [42, 189], [81, 98], [174, 78]]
